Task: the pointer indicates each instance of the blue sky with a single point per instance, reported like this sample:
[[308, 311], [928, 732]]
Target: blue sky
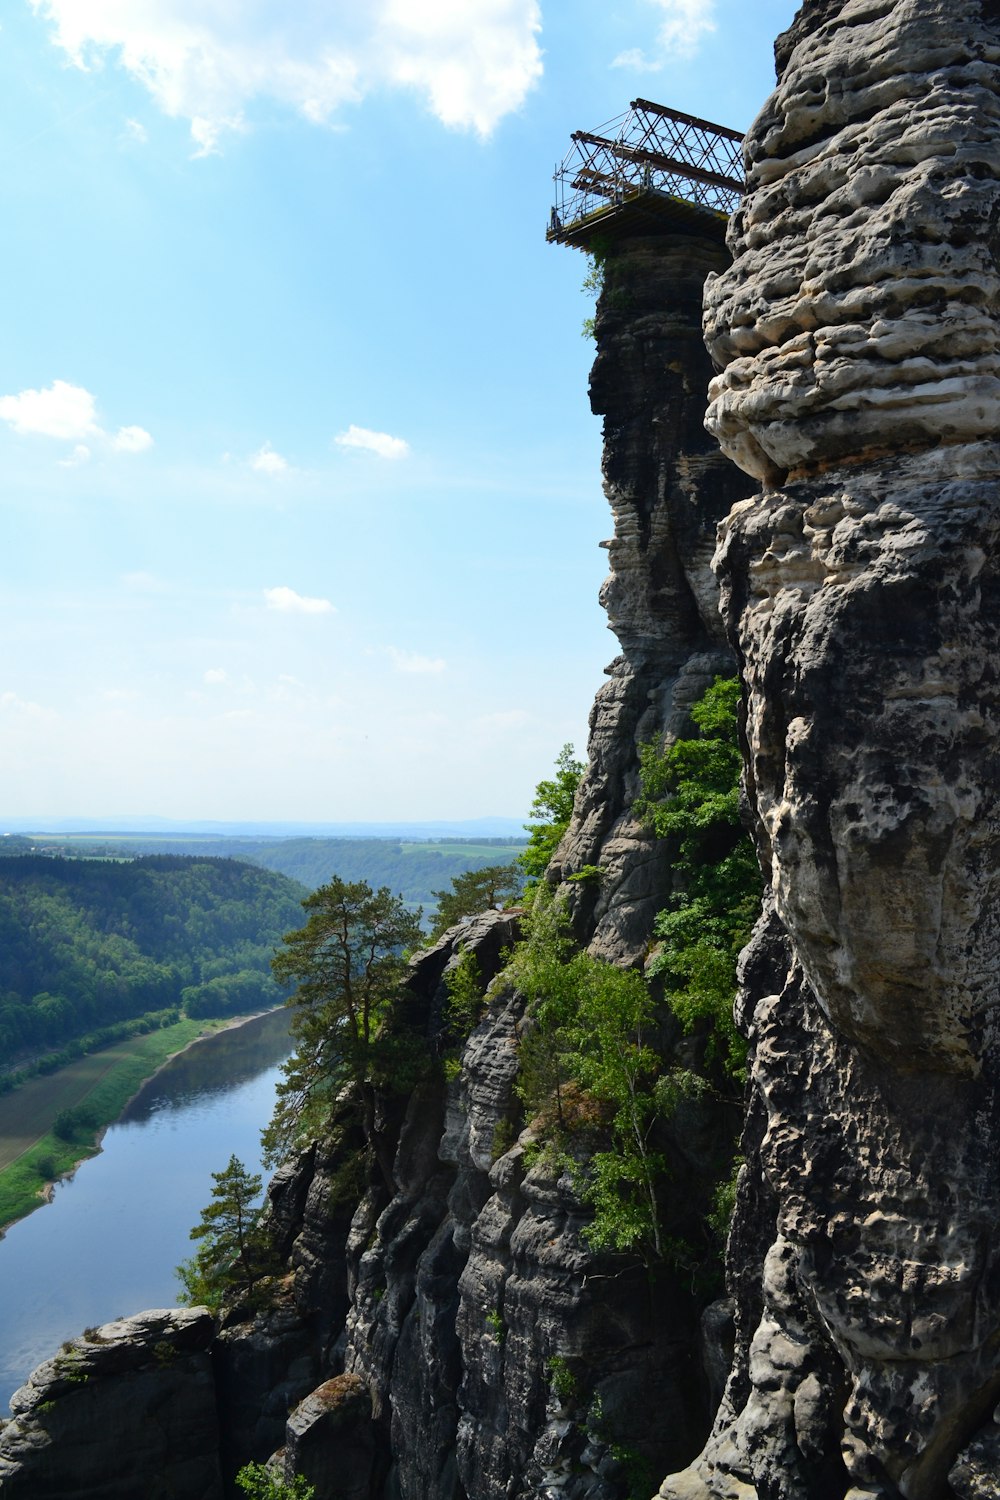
[[301, 496]]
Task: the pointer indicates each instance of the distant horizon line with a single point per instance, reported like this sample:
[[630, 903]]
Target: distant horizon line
[[488, 826]]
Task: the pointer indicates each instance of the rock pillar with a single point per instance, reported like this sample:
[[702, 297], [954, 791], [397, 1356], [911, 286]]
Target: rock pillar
[[857, 337], [668, 487]]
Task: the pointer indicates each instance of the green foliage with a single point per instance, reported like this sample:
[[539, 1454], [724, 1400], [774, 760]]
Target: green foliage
[[564, 1383], [589, 1032], [465, 1000], [691, 796], [475, 891], [723, 1204], [348, 962], [258, 1483], [593, 285], [552, 808], [87, 945], [495, 1324], [70, 1123], [236, 1253]]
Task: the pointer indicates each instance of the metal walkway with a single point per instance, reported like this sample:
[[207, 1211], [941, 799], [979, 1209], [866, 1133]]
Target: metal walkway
[[651, 168]]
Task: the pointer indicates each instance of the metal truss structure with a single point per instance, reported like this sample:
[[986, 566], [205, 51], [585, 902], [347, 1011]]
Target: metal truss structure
[[648, 151]]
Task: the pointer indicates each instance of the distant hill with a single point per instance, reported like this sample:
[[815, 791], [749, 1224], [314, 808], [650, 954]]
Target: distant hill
[[411, 869], [439, 828], [86, 944]]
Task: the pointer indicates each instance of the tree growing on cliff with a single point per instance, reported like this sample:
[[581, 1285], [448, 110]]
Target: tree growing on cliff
[[348, 962], [235, 1252], [692, 796], [552, 809], [258, 1483], [473, 892]]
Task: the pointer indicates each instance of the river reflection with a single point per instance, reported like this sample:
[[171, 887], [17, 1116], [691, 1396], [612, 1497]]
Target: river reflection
[[109, 1241]]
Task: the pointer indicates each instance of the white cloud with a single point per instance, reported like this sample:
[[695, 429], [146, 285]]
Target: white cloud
[[131, 440], [411, 661], [60, 411], [208, 63], [80, 455], [68, 413], [215, 675], [266, 461], [136, 131], [686, 24], [287, 600], [379, 443]]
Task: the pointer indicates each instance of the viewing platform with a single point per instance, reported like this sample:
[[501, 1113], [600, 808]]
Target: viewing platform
[[650, 170]]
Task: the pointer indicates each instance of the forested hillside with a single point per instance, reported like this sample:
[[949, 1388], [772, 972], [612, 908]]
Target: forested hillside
[[85, 944], [410, 869]]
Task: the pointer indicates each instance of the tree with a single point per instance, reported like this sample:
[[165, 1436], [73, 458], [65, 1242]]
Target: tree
[[235, 1251], [692, 795], [348, 962], [553, 806], [473, 892], [257, 1483]]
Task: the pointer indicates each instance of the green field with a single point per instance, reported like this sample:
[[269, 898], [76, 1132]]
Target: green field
[[30, 1155]]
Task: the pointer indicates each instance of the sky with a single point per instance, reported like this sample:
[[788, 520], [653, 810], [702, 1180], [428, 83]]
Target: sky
[[299, 485]]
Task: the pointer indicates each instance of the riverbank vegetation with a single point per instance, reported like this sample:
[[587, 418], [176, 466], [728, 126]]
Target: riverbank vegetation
[[88, 945], [80, 1100]]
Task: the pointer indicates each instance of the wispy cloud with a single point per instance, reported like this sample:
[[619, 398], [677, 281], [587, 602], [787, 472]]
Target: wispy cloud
[[215, 675], [68, 413], [136, 131], [79, 455], [267, 461], [471, 65], [287, 600], [131, 440], [413, 662], [686, 24], [379, 443]]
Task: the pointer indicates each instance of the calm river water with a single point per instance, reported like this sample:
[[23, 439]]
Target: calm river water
[[108, 1242]]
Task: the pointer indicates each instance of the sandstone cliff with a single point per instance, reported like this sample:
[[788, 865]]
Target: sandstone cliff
[[668, 487], [856, 334]]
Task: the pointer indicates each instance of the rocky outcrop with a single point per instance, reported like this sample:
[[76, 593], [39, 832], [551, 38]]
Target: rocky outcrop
[[668, 487], [126, 1410], [857, 328]]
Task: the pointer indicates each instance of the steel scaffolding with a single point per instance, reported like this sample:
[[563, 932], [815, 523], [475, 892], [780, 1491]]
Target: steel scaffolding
[[650, 164]]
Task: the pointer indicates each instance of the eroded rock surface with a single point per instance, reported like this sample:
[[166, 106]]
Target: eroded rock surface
[[668, 487], [858, 330], [127, 1410]]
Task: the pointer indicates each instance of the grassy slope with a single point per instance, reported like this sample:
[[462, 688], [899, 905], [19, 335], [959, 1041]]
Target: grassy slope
[[30, 1156]]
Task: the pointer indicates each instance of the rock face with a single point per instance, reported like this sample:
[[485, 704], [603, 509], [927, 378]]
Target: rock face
[[858, 330], [668, 487], [124, 1411]]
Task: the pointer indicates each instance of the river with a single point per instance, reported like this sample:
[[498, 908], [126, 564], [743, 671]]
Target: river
[[108, 1242]]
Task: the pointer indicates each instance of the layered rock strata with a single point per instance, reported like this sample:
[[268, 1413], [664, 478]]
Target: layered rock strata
[[668, 487], [857, 331], [126, 1410]]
